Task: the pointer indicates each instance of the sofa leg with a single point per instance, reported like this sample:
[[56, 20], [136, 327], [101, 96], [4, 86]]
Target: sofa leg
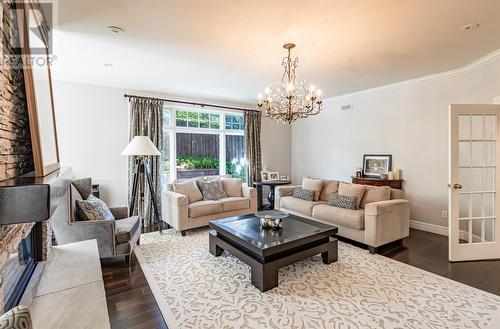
[[139, 240], [183, 232], [373, 250], [127, 260]]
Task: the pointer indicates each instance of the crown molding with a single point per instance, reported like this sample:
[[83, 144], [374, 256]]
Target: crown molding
[[467, 68]]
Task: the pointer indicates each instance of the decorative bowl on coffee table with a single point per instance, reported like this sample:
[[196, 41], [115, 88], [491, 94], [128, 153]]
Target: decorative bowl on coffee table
[[272, 219]]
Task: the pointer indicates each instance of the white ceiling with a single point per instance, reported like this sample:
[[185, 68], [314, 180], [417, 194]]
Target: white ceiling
[[233, 48]]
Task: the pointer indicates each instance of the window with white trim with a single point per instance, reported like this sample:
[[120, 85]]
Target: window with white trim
[[199, 142]]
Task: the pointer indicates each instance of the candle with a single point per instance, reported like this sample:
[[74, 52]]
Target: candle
[[390, 175], [397, 174], [260, 99]]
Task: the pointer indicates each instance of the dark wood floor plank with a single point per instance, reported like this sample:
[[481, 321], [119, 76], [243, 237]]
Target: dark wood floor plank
[[131, 304]]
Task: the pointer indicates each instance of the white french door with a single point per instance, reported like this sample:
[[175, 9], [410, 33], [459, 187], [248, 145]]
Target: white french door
[[473, 181]]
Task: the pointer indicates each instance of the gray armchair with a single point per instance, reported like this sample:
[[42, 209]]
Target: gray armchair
[[114, 237]]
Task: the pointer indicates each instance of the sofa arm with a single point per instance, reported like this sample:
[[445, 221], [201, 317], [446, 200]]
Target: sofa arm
[[174, 207], [281, 191], [119, 212], [251, 193], [101, 230], [386, 221]]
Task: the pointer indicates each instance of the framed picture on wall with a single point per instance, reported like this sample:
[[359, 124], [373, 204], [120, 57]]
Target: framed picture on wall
[[375, 165]]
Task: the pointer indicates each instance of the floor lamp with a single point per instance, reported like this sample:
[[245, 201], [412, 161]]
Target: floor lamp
[[142, 146]]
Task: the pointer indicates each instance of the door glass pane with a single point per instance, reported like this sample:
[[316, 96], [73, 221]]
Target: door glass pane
[[463, 227], [165, 158], [489, 204], [476, 179], [477, 228], [489, 230], [476, 205], [489, 153], [463, 154], [477, 127], [197, 155], [464, 179], [489, 179], [490, 124], [476, 153], [464, 206], [235, 157], [464, 127]]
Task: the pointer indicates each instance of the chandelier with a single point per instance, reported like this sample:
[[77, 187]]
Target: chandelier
[[288, 101]]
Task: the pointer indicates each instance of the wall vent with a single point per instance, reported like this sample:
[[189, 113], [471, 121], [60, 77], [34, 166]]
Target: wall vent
[[347, 107]]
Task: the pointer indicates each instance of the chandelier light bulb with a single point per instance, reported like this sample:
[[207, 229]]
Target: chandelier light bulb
[[268, 90], [318, 92], [311, 88], [260, 99]]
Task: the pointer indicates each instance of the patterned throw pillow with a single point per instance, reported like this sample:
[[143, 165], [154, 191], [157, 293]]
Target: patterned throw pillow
[[303, 194], [92, 209], [17, 318], [211, 189], [343, 201]]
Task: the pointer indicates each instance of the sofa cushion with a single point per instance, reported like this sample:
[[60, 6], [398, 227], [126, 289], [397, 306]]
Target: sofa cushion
[[211, 189], [235, 203], [75, 196], [189, 189], [93, 209], [303, 194], [126, 228], [17, 318], [329, 187], [232, 187], [345, 217], [352, 190], [312, 184], [375, 194], [205, 207], [298, 205], [343, 201]]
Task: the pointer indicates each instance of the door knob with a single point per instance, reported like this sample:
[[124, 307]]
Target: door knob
[[456, 186]]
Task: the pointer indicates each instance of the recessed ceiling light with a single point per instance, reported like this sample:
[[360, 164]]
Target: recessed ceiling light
[[470, 27], [108, 64], [115, 29]]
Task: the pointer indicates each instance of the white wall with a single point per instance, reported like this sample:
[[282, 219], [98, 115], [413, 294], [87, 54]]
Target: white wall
[[408, 120], [92, 124]]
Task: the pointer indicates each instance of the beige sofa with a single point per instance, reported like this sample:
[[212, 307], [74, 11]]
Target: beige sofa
[[383, 217], [183, 214]]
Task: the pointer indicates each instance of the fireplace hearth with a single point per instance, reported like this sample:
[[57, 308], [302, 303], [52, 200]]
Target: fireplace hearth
[[27, 205]]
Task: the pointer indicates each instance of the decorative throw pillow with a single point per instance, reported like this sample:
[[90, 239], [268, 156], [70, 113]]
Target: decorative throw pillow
[[211, 189], [93, 209], [343, 201], [17, 318], [232, 187], [312, 184], [352, 190], [300, 193], [189, 189]]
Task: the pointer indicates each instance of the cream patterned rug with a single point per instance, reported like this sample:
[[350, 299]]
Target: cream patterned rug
[[197, 290]]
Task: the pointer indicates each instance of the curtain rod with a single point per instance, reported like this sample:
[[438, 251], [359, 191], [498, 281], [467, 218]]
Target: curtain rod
[[188, 103]]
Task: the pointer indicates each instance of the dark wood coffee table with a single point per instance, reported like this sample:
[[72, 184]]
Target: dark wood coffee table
[[266, 250]]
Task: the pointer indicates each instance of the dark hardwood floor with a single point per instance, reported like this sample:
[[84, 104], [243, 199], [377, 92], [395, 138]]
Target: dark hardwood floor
[[131, 303]]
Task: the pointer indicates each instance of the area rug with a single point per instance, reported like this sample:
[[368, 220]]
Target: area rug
[[197, 290]]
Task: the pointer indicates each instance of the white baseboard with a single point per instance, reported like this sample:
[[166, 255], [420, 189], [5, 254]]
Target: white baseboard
[[441, 230], [427, 227]]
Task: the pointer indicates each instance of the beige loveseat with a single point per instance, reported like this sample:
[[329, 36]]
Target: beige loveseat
[[187, 210], [383, 216]]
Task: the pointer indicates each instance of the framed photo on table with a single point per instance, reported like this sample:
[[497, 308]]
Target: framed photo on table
[[274, 175], [264, 176], [375, 165]]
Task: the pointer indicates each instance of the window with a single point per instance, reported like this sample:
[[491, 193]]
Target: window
[[234, 122], [197, 120], [202, 143]]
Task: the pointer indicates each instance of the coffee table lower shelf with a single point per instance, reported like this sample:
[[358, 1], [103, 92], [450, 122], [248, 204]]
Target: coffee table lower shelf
[[265, 271]]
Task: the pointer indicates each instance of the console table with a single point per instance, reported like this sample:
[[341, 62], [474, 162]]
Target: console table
[[394, 183]]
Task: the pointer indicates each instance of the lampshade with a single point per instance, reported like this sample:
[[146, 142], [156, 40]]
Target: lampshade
[[141, 145]]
